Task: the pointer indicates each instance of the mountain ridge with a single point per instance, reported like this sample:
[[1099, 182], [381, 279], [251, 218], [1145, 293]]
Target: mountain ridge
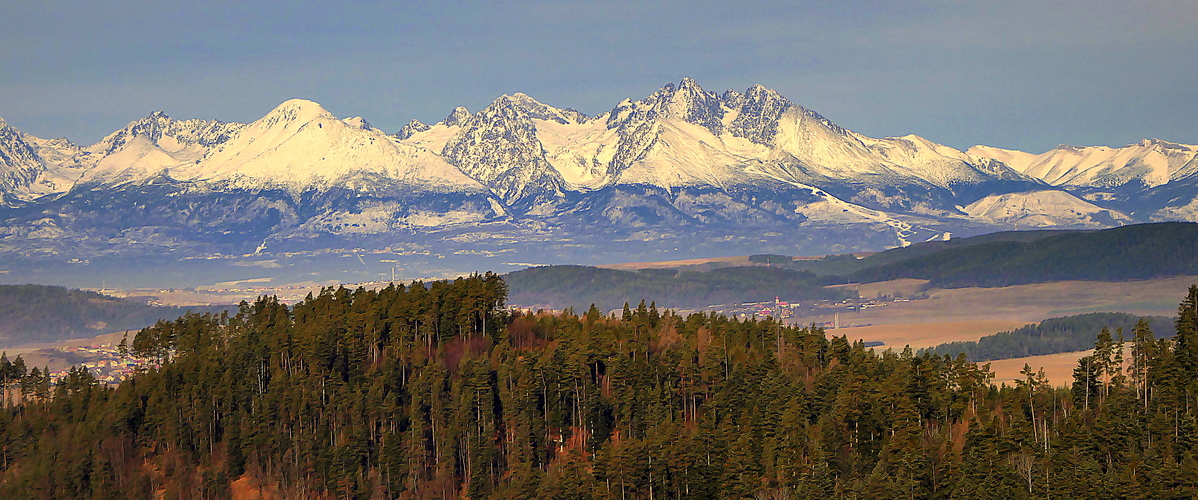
[[682, 170]]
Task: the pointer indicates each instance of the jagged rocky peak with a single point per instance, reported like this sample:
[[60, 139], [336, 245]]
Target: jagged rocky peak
[[150, 127], [520, 103], [687, 101], [1165, 145], [13, 147], [19, 163], [698, 106], [457, 117], [732, 99], [413, 127], [499, 147], [158, 125], [759, 110]]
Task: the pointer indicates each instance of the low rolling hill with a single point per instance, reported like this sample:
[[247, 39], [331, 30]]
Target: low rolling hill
[[38, 313]]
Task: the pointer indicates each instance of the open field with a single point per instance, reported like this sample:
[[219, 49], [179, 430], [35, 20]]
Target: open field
[[742, 260], [1057, 367], [920, 335], [970, 313], [1022, 303]]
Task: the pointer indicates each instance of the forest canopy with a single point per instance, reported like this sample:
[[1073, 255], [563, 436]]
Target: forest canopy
[[437, 391]]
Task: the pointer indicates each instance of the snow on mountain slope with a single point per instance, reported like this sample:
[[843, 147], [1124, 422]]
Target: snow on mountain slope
[[715, 138], [1043, 209], [686, 154], [64, 164], [683, 135], [581, 151], [433, 137], [682, 163], [939, 164], [1152, 162], [300, 145], [152, 146]]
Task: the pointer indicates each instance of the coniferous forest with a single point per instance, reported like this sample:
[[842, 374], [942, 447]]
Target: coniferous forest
[[436, 391]]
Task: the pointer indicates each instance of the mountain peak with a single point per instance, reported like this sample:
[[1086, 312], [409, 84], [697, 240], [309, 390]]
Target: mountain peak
[[413, 127], [759, 91], [358, 122], [523, 104], [296, 110], [457, 117]]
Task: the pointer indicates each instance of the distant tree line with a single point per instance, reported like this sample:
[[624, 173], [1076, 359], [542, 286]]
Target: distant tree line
[[437, 392], [1051, 336]]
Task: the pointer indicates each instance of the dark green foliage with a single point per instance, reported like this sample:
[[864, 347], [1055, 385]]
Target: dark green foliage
[[559, 287], [848, 264], [37, 313], [931, 247], [436, 392], [769, 259], [1051, 336], [829, 265], [1131, 252]]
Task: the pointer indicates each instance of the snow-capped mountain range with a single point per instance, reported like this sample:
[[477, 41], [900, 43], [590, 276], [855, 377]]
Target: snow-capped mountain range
[[684, 170]]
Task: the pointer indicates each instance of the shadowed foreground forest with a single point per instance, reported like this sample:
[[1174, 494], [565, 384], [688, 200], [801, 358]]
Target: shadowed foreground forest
[[437, 392]]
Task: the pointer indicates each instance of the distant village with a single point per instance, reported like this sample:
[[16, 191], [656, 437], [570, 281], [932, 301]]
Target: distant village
[[104, 361], [790, 311]]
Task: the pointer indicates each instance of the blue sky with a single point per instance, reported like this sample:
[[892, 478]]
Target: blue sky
[[1016, 74]]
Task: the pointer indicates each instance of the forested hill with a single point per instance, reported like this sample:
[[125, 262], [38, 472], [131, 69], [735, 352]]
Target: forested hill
[[559, 287], [436, 392], [930, 247], [38, 313], [1054, 335], [1140, 251]]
